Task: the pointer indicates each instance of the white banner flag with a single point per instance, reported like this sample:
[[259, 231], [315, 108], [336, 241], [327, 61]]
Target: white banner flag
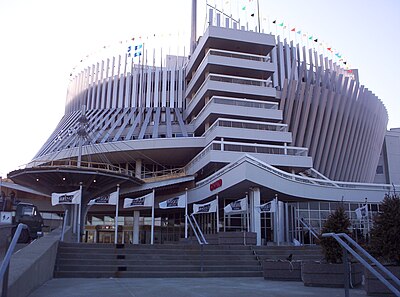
[[268, 207], [144, 201], [175, 202], [206, 207], [238, 206], [110, 199], [66, 198], [362, 212]]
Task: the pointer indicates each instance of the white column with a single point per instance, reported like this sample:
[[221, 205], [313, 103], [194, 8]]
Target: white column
[[255, 218], [138, 168], [136, 216]]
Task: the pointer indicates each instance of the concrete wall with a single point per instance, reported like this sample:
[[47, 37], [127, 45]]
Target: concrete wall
[[33, 265], [5, 233]]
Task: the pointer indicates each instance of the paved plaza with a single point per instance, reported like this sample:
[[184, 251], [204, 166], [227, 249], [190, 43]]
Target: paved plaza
[[183, 287]]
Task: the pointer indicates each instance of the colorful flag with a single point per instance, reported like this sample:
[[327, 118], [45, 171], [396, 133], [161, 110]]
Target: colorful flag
[[175, 202], [66, 198], [110, 199], [238, 206], [144, 201], [206, 207]]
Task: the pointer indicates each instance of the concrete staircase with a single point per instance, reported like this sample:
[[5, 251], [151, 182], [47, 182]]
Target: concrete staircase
[[134, 261]]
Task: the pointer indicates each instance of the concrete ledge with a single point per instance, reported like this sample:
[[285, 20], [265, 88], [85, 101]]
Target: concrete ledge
[[33, 265], [282, 270]]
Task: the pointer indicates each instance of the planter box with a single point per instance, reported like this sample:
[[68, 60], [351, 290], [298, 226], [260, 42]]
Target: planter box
[[316, 274], [374, 287], [282, 270]]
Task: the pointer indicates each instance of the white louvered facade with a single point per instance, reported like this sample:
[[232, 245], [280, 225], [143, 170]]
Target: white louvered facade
[[240, 92]]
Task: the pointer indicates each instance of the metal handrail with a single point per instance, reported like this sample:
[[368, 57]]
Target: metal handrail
[[7, 257], [194, 229], [308, 227], [365, 263], [198, 227]]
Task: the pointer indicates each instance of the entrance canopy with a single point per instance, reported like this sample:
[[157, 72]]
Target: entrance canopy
[[59, 179]]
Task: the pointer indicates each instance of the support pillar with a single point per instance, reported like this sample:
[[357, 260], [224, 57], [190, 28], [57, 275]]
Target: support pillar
[[138, 168], [255, 218], [136, 216]]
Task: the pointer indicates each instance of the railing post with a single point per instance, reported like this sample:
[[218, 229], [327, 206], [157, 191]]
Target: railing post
[[346, 273]]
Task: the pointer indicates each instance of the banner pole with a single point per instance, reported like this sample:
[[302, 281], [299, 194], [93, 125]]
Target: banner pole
[[186, 213], [278, 237], [79, 213], [116, 217], [152, 220], [217, 215], [248, 213]]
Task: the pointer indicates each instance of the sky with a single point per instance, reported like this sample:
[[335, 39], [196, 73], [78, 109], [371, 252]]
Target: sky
[[42, 41]]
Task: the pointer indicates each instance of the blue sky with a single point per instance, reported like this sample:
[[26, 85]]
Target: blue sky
[[42, 40]]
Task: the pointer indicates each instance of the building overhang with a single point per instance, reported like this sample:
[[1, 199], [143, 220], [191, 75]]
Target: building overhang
[[57, 179]]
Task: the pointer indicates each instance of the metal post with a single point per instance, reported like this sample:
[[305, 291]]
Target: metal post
[[79, 215], [217, 215], [116, 218], [346, 273], [152, 220], [186, 213], [248, 213]]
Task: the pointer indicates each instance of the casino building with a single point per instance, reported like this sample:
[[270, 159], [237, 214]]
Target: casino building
[[246, 114]]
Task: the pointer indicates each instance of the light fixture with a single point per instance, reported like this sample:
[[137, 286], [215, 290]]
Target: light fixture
[[63, 178], [37, 179]]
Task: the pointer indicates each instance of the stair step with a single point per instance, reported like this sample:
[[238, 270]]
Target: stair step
[[148, 268], [153, 274]]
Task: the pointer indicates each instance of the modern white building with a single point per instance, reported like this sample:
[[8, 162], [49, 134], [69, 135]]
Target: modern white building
[[246, 114]]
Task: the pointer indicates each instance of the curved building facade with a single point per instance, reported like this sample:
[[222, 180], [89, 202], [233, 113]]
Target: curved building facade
[[246, 114]]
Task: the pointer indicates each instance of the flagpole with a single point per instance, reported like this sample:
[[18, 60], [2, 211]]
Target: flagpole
[[258, 13], [217, 214], [248, 213], [277, 219], [116, 217], [79, 213], [186, 213], [152, 220]]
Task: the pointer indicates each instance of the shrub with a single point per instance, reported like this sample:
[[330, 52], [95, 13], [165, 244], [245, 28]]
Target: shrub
[[385, 232], [337, 222]]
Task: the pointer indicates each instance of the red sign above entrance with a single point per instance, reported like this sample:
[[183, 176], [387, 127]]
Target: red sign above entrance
[[215, 185]]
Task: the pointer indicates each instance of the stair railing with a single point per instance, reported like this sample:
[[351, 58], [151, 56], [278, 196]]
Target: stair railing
[[4, 268], [309, 228], [196, 230], [348, 248]]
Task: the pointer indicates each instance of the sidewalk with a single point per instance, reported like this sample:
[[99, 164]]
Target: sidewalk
[[183, 287]]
